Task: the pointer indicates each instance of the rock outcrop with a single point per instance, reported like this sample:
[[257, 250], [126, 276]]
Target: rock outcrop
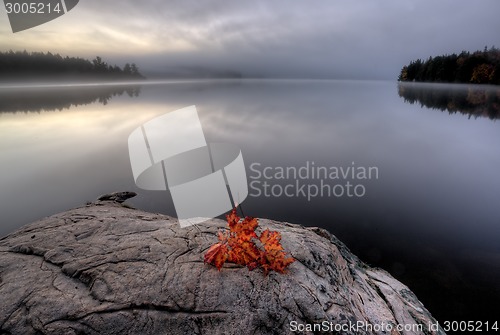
[[117, 196], [108, 269]]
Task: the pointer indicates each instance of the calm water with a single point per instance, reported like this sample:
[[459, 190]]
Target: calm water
[[431, 218]]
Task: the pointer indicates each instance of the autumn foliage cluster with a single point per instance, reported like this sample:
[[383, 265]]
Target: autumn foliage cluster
[[242, 245]]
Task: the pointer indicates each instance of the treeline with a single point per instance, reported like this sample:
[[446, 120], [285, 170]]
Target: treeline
[[479, 67], [23, 64]]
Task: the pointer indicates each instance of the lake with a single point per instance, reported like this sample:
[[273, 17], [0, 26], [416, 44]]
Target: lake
[[430, 215]]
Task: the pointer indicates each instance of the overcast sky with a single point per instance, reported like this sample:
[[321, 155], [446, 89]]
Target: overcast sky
[[369, 39]]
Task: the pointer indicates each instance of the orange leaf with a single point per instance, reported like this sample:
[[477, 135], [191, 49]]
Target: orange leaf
[[273, 258], [245, 230], [216, 255], [271, 240], [244, 253], [238, 246], [232, 218]]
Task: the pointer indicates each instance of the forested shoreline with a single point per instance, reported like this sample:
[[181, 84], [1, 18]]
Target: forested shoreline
[[478, 67], [34, 65]]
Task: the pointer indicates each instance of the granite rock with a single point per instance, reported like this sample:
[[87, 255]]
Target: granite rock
[[109, 269]]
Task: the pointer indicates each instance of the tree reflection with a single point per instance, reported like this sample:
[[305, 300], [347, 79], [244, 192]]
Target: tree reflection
[[24, 100], [474, 101]]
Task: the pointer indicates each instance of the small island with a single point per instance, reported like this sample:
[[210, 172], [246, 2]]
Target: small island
[[23, 65], [479, 67]]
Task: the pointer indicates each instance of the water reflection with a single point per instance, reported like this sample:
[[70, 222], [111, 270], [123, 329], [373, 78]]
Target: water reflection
[[472, 100], [38, 99]]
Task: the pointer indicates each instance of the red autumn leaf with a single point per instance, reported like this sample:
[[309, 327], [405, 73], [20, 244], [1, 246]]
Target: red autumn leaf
[[243, 229], [217, 255], [273, 257], [271, 240], [244, 253], [238, 246], [232, 218]]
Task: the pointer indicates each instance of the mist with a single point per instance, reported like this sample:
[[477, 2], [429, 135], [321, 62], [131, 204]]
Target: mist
[[273, 39]]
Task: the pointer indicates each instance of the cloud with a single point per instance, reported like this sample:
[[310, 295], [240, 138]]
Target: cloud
[[282, 38]]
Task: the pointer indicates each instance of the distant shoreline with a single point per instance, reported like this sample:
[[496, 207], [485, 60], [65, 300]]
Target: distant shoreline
[[77, 82], [27, 66], [478, 67], [6, 84], [448, 85]]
